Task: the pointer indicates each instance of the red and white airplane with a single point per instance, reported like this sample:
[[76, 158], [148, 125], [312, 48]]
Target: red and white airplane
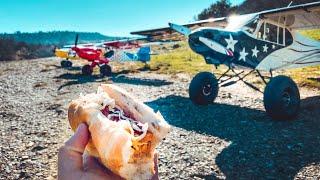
[[102, 53]]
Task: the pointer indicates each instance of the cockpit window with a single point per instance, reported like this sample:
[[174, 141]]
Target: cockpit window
[[251, 27], [271, 33], [289, 38], [274, 33], [260, 32]]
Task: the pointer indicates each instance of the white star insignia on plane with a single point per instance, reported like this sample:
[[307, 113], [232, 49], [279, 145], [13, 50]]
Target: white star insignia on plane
[[231, 43], [243, 55], [265, 48], [255, 52]]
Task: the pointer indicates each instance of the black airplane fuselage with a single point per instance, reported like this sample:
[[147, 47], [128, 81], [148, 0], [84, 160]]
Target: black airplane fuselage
[[247, 50]]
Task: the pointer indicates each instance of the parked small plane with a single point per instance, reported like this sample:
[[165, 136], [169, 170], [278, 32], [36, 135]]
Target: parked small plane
[[264, 41], [99, 55], [67, 54]]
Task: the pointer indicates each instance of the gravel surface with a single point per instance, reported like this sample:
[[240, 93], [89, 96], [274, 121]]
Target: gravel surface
[[232, 138]]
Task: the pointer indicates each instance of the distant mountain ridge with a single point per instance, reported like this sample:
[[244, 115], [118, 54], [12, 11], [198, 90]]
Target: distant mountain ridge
[[58, 38]]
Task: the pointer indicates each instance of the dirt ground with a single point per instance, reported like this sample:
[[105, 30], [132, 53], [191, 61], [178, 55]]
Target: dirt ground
[[232, 138]]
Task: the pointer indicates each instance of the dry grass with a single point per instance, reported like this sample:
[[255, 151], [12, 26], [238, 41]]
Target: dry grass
[[306, 77], [180, 60], [314, 34]]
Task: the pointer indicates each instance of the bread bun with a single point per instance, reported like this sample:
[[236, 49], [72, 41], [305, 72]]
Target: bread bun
[[125, 146]]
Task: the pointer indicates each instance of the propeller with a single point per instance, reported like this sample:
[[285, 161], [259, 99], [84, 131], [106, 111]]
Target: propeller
[[215, 46], [76, 40], [54, 49], [180, 29]]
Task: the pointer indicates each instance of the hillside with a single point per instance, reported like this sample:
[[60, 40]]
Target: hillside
[[18, 46], [57, 37], [13, 50]]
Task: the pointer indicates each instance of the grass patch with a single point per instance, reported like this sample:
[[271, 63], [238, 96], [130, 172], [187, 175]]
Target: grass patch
[[182, 60], [174, 61], [314, 33], [306, 77]]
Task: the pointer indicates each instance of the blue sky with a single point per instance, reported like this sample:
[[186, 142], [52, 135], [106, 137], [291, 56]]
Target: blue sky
[[109, 17]]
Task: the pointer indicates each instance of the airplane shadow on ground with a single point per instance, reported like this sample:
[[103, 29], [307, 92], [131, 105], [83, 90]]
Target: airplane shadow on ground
[[261, 147], [73, 68], [116, 78]]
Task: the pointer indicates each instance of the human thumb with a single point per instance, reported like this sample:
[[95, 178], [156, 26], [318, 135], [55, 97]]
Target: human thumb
[[70, 155]]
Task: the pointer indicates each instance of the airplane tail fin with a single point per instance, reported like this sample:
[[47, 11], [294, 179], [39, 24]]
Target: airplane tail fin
[[142, 55], [144, 50], [180, 29]]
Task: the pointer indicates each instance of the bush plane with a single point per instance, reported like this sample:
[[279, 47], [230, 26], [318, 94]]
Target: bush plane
[[100, 55], [67, 54], [265, 41]]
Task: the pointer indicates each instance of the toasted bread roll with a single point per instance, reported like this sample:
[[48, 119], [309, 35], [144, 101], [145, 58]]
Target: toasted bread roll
[[124, 131]]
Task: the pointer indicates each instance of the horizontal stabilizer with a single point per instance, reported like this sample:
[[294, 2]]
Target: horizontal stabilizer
[[180, 29]]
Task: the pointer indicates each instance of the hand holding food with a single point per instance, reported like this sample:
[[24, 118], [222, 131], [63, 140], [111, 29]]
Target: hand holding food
[[124, 132]]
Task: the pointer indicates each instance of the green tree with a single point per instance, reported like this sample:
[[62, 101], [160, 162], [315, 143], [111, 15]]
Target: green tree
[[220, 8], [224, 8]]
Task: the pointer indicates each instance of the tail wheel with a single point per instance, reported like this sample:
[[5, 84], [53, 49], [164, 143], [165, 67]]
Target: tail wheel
[[69, 64], [282, 98], [63, 63], [66, 63], [105, 70], [87, 70], [203, 88]]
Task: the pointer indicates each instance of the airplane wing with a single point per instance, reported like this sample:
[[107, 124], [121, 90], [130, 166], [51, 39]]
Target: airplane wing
[[166, 33], [79, 45], [305, 16], [127, 43]]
